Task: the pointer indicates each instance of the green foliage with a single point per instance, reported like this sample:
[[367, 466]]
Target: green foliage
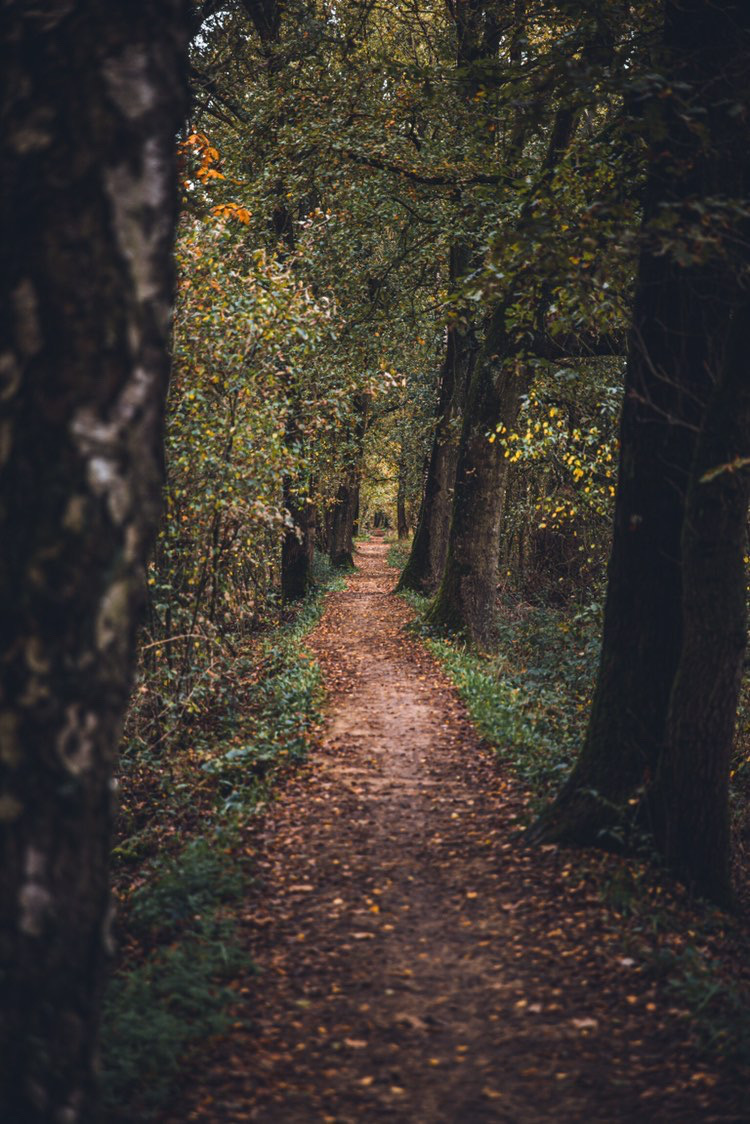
[[276, 723], [175, 994], [250, 416], [398, 555], [562, 463], [718, 1007], [153, 1013], [691, 949], [184, 888]]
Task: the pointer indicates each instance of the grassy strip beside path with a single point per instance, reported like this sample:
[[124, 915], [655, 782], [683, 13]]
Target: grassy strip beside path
[[529, 700], [181, 865]]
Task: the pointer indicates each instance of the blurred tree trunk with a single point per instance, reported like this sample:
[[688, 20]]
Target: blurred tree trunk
[[466, 597], [92, 98], [465, 600], [402, 526], [298, 547], [341, 545]]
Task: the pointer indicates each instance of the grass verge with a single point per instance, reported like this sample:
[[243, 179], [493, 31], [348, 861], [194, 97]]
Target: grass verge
[[530, 699], [398, 554], [181, 865]]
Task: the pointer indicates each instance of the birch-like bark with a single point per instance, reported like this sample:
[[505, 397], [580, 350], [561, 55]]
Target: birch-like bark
[[91, 100]]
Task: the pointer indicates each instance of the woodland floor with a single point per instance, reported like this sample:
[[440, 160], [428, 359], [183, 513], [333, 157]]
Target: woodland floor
[[413, 963]]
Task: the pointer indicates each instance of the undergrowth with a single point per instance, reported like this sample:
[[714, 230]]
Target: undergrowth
[[694, 951], [530, 698], [398, 554], [180, 864]]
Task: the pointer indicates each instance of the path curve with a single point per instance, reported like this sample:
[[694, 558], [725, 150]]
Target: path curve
[[413, 964]]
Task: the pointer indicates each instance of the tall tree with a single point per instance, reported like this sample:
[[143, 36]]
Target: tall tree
[[426, 561], [346, 506], [694, 112], [476, 30], [466, 597], [690, 802], [92, 98]]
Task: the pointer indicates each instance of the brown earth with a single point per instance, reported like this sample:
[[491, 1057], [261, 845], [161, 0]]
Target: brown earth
[[414, 964]]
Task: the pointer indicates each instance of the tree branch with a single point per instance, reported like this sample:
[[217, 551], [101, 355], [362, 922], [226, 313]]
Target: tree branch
[[382, 165], [577, 345]]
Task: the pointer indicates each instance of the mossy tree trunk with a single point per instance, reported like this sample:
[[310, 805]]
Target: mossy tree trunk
[[680, 324], [92, 98]]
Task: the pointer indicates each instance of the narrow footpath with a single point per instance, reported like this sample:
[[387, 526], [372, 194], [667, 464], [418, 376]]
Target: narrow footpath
[[413, 963]]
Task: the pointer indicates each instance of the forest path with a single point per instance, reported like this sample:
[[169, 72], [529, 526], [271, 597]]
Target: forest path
[[414, 965]]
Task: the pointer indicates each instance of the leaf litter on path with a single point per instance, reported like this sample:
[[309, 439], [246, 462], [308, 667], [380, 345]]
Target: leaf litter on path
[[414, 965]]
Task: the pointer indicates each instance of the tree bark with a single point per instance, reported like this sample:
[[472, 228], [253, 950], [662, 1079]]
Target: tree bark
[[466, 597], [681, 318], [402, 525], [691, 800], [341, 546], [92, 98], [477, 39], [346, 508], [465, 601], [426, 562], [297, 548]]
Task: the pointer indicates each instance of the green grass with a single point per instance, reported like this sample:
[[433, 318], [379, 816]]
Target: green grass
[[155, 1011], [718, 1007], [529, 699], [398, 554], [285, 705]]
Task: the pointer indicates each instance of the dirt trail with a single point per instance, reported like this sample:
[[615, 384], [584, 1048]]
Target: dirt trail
[[413, 963]]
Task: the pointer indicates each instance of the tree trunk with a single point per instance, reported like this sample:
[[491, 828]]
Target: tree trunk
[[691, 800], [477, 37], [466, 598], [297, 548], [665, 383], [681, 317], [341, 546], [465, 601], [346, 508], [92, 98], [402, 525], [426, 562]]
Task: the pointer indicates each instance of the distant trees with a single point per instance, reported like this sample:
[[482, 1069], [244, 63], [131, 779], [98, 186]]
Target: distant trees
[[543, 78], [92, 98]]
